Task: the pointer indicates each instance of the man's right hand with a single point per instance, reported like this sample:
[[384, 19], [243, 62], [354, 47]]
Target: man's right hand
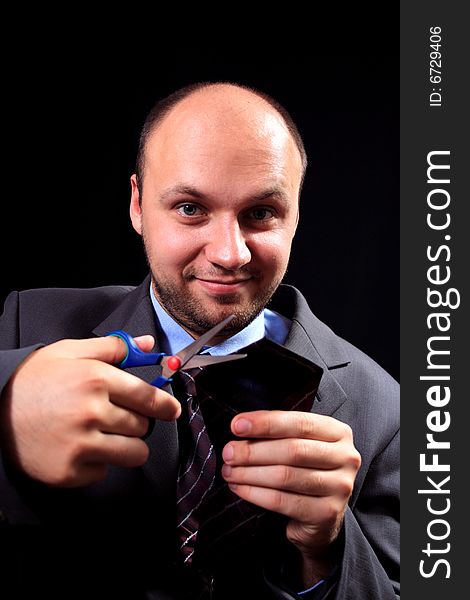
[[67, 412]]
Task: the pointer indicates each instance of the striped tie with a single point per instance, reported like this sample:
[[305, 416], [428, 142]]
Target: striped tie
[[197, 470], [208, 512], [215, 526]]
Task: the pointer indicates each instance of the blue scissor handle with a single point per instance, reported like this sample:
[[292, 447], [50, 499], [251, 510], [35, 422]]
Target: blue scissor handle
[[135, 357], [160, 381]]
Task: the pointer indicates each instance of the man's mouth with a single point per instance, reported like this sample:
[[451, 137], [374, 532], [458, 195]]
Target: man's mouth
[[222, 285]]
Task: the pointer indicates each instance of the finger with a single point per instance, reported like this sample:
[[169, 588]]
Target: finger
[[122, 421], [145, 342], [293, 451], [309, 482], [129, 391], [83, 474], [306, 509], [289, 424], [118, 450], [110, 349]]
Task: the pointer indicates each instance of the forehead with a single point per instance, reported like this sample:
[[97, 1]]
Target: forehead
[[220, 130]]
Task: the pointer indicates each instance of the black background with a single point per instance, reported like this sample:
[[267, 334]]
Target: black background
[[73, 111]]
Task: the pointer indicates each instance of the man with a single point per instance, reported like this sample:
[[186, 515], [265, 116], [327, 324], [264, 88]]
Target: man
[[216, 201]]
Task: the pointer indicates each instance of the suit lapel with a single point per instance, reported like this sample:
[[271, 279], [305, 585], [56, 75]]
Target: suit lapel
[[330, 395], [313, 340], [135, 314]]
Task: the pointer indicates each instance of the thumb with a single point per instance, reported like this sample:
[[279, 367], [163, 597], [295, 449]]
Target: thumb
[[110, 349], [145, 342]]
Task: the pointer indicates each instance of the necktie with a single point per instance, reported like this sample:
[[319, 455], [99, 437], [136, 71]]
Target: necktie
[[197, 468], [208, 512], [216, 529]]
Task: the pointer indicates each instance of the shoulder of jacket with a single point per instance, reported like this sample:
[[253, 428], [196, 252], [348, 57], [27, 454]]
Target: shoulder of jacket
[[48, 314], [112, 291]]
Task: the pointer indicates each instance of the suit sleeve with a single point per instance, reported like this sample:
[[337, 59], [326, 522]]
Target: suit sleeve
[[370, 564], [11, 355], [12, 508]]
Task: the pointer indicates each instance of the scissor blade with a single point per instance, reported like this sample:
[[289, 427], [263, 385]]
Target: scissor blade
[[187, 353], [202, 360]]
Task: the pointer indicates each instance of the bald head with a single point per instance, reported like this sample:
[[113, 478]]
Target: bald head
[[233, 111]]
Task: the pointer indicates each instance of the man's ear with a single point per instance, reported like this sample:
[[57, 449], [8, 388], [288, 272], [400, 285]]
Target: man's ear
[[135, 209], [298, 217]]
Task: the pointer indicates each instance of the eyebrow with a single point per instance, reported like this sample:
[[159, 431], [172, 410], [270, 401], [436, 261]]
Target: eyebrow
[[188, 190]]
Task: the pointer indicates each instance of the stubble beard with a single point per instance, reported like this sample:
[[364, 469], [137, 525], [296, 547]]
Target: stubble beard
[[188, 311]]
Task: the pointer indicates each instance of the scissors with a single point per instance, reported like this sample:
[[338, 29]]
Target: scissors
[[188, 357]]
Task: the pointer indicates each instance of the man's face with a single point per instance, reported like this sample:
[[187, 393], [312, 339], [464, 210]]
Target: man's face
[[218, 212]]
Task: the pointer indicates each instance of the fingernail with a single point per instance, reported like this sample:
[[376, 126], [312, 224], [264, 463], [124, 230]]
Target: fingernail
[[227, 453], [232, 486], [226, 471], [242, 426]]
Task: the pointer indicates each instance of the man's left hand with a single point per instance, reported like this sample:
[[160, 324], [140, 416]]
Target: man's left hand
[[301, 465]]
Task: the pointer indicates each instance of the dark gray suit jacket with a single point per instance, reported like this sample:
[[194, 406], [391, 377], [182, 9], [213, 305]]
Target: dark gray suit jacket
[[115, 539]]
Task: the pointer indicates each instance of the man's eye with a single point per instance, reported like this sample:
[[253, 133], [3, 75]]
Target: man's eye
[[261, 214], [189, 210]]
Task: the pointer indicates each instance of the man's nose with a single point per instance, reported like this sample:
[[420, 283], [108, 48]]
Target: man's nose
[[227, 246]]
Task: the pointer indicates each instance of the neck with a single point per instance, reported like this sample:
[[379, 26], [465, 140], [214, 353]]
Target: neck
[[219, 338]]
